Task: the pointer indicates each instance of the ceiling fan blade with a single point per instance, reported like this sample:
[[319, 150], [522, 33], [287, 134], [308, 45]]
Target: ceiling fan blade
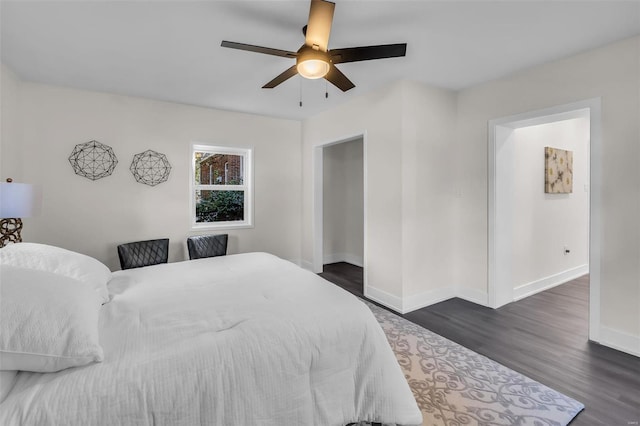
[[281, 78], [366, 53], [319, 26], [335, 77], [259, 49]]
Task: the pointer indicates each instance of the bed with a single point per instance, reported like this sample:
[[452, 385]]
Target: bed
[[247, 339]]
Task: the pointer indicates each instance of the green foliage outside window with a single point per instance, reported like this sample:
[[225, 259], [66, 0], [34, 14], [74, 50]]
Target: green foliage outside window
[[220, 206]]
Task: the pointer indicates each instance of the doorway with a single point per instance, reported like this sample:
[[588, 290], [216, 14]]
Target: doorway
[[502, 273], [339, 218], [343, 197]]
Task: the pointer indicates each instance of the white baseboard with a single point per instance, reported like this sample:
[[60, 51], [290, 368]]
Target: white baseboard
[[620, 340], [343, 257], [432, 297], [473, 295], [551, 281], [304, 264], [382, 297], [427, 298], [410, 303]]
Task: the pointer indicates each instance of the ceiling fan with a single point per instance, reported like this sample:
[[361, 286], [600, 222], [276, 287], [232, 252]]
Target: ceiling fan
[[314, 59]]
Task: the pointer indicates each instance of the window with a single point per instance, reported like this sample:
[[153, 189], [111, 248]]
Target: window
[[221, 187]]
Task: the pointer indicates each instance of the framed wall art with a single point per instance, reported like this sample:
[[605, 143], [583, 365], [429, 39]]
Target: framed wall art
[[558, 171]]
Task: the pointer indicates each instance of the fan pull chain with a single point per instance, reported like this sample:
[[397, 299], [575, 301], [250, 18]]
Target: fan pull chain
[[300, 80], [326, 89]]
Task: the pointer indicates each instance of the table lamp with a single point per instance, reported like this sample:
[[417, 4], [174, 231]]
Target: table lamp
[[17, 200]]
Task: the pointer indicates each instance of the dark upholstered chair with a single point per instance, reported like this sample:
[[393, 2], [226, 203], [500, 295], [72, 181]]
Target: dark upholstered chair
[[207, 246], [143, 253]]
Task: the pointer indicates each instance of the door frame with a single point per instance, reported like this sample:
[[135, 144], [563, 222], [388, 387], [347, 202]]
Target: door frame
[[317, 203], [497, 277]]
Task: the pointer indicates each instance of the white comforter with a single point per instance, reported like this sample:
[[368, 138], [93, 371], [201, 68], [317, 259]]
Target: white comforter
[[241, 340]]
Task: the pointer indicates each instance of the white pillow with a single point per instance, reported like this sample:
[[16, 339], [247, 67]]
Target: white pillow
[[48, 322], [59, 261]]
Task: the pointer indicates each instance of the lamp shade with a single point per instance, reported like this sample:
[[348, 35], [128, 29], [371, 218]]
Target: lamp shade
[[19, 200]]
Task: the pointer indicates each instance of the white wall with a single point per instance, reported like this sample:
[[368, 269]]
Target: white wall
[[10, 128], [343, 203], [428, 194], [543, 224], [612, 73], [409, 129], [378, 115], [92, 217]]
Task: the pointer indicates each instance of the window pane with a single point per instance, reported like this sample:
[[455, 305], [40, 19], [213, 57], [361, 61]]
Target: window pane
[[218, 169], [219, 206]]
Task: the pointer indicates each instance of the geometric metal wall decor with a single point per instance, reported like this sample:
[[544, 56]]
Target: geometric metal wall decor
[[93, 160], [150, 167]]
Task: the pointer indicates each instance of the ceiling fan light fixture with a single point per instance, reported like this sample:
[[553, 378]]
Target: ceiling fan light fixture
[[314, 60], [312, 64], [313, 68]]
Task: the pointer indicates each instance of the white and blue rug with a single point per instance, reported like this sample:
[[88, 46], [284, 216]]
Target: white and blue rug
[[456, 386]]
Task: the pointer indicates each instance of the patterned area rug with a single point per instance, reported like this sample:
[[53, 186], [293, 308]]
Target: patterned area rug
[[456, 386]]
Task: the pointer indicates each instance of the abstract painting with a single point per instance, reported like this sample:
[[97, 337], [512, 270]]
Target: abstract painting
[[558, 168]]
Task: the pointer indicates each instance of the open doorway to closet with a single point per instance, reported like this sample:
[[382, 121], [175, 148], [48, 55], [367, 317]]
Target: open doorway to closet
[[343, 199]]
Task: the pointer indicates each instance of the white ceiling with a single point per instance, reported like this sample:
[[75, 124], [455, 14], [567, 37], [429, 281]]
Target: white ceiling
[[170, 50]]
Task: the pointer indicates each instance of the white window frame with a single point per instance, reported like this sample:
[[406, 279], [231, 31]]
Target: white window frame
[[247, 187]]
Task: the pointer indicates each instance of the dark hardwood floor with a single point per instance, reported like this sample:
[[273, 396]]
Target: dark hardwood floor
[[544, 336]]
